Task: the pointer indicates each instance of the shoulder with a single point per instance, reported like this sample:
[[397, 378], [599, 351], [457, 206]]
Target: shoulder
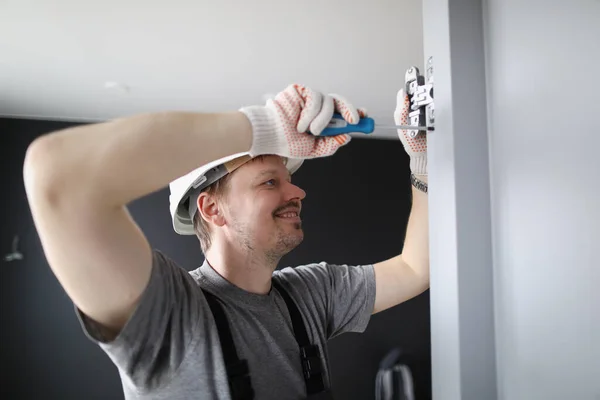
[[319, 271], [163, 264], [322, 278], [302, 272], [341, 296], [305, 281]]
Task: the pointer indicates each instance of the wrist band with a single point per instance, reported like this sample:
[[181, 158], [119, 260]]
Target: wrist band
[[419, 184]]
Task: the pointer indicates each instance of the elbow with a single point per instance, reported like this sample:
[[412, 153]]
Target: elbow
[[41, 171], [426, 283], [422, 275], [35, 166]]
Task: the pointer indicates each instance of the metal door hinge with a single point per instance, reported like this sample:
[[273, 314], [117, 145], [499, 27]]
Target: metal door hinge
[[419, 89]]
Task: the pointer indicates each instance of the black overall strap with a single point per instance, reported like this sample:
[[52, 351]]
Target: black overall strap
[[310, 354], [238, 375]]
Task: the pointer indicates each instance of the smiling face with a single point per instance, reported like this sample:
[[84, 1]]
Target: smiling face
[[261, 208]]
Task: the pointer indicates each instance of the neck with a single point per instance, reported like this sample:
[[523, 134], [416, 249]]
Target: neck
[[244, 268]]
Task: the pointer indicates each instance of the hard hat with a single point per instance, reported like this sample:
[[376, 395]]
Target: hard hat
[[185, 189]]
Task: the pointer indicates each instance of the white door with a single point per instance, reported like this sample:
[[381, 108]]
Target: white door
[[514, 176]]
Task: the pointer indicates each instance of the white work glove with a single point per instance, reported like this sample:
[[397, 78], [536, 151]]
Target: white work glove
[[416, 148], [289, 125]]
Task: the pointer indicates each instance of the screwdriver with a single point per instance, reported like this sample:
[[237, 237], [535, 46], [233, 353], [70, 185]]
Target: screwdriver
[[338, 126]]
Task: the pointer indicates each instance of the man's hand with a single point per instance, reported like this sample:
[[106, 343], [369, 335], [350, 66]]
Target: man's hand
[[290, 124], [416, 147]]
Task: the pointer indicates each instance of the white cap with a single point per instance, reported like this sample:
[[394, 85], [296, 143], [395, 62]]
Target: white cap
[[191, 184]]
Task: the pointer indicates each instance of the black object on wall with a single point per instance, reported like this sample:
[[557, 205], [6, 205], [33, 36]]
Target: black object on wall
[[355, 212]]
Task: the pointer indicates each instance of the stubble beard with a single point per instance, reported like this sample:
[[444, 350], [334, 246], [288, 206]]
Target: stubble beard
[[284, 241]]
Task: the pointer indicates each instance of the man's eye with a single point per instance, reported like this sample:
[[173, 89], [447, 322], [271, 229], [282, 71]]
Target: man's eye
[[270, 182]]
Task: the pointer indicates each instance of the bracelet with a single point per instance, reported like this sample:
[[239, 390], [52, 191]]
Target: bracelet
[[419, 184]]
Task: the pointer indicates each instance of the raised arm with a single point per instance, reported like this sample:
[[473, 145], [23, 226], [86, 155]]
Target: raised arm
[[407, 275], [79, 181]]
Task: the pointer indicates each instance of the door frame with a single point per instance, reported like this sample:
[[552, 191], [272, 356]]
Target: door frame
[[461, 259]]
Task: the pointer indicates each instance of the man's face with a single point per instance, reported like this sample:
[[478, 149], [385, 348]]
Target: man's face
[[263, 207]]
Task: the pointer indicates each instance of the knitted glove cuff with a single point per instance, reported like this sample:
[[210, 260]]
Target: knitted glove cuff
[[418, 164], [265, 127]]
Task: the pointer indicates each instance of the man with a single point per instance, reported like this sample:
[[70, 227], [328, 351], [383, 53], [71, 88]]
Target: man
[[156, 321]]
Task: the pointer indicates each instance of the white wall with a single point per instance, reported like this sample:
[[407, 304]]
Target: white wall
[[514, 199], [543, 73]]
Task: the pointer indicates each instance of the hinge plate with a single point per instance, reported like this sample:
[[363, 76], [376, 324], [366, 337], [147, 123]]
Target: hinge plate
[[419, 89]]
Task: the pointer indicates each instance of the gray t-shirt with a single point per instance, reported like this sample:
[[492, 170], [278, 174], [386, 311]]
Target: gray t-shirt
[[170, 349]]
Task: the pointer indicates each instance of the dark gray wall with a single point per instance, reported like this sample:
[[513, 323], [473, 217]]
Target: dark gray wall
[[356, 211]]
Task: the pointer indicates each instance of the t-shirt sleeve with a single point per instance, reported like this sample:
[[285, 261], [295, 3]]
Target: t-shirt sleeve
[[343, 294], [151, 345]]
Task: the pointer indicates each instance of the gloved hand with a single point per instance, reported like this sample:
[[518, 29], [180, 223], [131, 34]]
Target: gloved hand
[[289, 124], [416, 148]]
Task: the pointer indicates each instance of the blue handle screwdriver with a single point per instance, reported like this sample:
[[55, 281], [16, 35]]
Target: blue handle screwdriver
[[338, 126]]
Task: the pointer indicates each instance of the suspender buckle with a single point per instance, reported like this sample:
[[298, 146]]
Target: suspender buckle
[[313, 370]]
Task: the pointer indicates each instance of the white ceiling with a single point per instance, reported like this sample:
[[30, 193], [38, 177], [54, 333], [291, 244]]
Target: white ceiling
[[58, 57]]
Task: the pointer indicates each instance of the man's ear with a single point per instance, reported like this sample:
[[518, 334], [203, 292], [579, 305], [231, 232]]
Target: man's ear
[[209, 209]]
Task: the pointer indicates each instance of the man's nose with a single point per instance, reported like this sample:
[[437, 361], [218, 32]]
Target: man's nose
[[295, 192]]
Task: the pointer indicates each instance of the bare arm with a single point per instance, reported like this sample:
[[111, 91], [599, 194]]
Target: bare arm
[[407, 275], [79, 181]]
